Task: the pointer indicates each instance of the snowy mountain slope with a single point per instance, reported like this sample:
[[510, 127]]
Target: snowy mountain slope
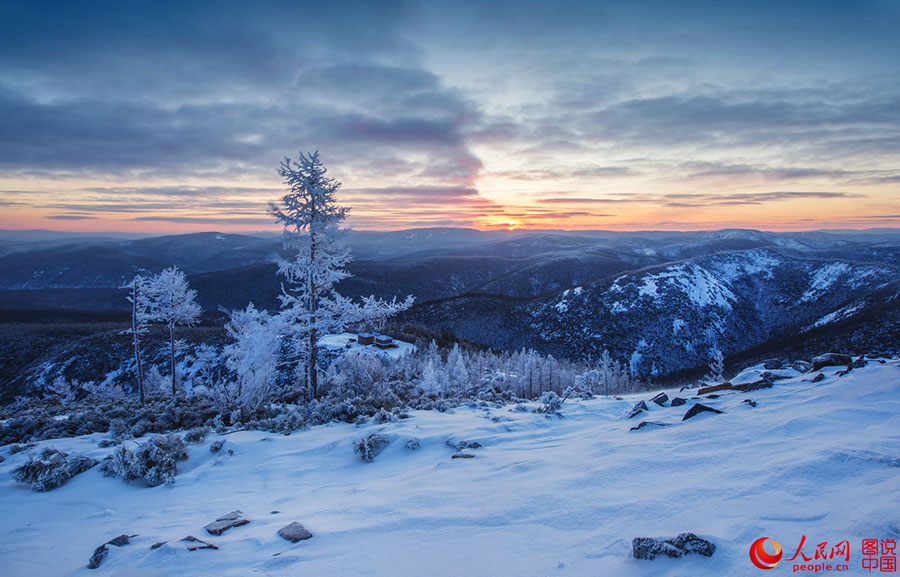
[[543, 496], [670, 317]]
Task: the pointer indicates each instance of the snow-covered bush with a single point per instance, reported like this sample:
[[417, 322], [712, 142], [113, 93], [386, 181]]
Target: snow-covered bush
[[368, 447], [197, 435], [551, 403], [155, 460], [51, 469]]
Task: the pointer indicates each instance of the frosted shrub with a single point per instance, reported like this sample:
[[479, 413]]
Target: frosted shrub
[[197, 435], [51, 469], [368, 447], [551, 403], [154, 461]]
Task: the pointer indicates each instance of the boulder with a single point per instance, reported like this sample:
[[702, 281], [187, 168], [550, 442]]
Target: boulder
[[750, 402], [830, 360], [196, 544], [697, 409], [102, 551], [713, 388], [757, 385], [859, 363], [98, 557], [683, 544], [294, 532], [818, 377], [660, 399], [637, 408], [650, 424], [462, 456], [773, 364], [801, 366], [226, 522], [678, 401]]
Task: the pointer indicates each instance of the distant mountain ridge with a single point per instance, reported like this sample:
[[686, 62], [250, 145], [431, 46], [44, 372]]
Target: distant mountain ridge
[[664, 301]]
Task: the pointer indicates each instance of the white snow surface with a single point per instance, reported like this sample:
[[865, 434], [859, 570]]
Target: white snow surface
[[544, 496]]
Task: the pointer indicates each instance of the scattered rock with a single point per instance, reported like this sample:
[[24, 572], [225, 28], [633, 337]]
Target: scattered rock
[[158, 544], [226, 522], [120, 540], [202, 544], [750, 402], [684, 543], [102, 551], [697, 409], [713, 388], [859, 363], [713, 396], [97, 558], [757, 385], [462, 456], [460, 445], [830, 360], [104, 443], [637, 408], [412, 444], [677, 402], [773, 364], [801, 366], [275, 512], [660, 399], [216, 446], [654, 424], [294, 532], [818, 377]]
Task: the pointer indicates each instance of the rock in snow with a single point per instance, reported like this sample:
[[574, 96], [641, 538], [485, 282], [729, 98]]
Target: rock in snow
[[637, 408], [678, 401], [650, 424], [198, 543], [684, 543], [294, 532], [660, 399], [226, 522], [818, 377], [101, 552], [830, 360], [801, 366], [697, 409]]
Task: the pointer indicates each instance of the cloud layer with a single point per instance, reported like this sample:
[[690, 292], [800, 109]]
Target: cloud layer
[[470, 114]]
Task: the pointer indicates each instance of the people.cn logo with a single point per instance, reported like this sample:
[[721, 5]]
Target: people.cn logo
[[761, 558]]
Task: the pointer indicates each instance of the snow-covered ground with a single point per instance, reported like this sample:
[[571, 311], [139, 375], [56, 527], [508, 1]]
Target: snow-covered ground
[[543, 496]]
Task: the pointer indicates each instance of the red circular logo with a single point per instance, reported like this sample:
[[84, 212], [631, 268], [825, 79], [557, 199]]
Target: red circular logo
[[761, 558]]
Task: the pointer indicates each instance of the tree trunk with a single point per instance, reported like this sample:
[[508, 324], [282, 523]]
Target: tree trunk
[[140, 370], [137, 344], [172, 356], [312, 376]]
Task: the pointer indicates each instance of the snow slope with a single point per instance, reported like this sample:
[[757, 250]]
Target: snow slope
[[544, 496]]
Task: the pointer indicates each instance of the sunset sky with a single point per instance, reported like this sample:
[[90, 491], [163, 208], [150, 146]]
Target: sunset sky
[[173, 116]]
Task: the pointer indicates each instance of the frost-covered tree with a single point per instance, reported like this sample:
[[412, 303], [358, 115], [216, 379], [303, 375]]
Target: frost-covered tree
[[173, 302], [312, 220], [376, 311], [716, 367], [139, 297], [253, 356]]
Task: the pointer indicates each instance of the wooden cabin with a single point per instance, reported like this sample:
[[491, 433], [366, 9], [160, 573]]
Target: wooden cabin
[[365, 338], [385, 342]]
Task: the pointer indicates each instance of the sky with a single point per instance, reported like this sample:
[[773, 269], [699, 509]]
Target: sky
[[174, 116]]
